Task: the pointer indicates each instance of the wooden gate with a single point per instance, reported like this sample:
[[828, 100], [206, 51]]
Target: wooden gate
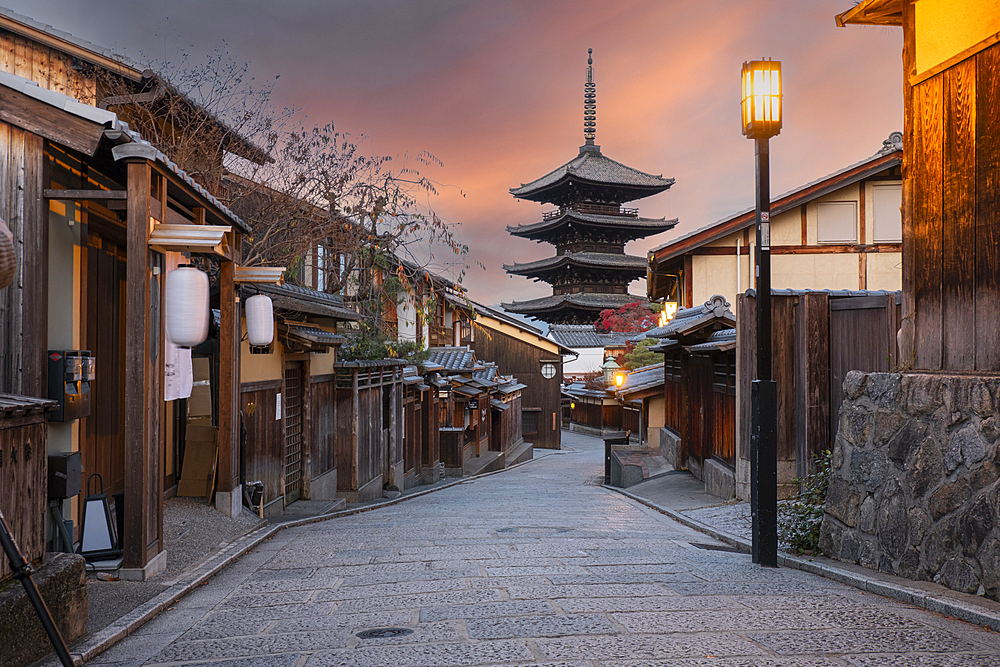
[[293, 413], [862, 338], [698, 435]]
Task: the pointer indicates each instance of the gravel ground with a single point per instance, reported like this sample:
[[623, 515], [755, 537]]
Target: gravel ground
[[192, 532]]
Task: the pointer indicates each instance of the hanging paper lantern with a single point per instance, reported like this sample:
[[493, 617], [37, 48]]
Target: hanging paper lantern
[[187, 306], [260, 320]]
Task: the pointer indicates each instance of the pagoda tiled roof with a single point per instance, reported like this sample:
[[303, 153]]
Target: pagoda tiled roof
[[581, 300], [600, 260], [641, 227], [595, 168]]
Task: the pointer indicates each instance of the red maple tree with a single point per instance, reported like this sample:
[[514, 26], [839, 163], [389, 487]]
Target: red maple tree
[[630, 318]]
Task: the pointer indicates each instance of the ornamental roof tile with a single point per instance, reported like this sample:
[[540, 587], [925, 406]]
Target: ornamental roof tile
[[460, 359]]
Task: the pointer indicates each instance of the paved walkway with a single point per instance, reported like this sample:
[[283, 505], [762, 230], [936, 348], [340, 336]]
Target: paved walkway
[[537, 565]]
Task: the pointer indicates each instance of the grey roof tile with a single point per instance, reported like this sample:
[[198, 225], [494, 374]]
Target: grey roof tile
[[584, 300], [592, 165], [606, 260]]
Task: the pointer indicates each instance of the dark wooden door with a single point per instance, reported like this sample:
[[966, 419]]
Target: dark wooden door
[[104, 429], [699, 397], [294, 436]]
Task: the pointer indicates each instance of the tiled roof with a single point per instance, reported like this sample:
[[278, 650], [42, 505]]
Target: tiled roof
[[590, 300], [690, 319], [453, 358], [593, 166], [315, 335], [641, 379], [719, 341], [605, 260], [645, 225], [585, 335], [304, 300]]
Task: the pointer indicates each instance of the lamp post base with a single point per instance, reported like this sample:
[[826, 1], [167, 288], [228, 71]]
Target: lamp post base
[[764, 472]]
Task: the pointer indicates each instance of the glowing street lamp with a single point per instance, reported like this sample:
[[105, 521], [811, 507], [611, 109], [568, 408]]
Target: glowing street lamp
[[619, 379], [761, 106]]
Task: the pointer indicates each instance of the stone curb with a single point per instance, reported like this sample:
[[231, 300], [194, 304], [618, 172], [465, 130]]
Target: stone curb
[[868, 580], [124, 626]]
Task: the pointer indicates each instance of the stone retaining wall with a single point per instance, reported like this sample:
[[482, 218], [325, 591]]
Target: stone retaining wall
[[913, 490]]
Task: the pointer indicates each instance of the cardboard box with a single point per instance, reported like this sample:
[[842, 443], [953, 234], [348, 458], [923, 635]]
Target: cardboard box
[[201, 453]]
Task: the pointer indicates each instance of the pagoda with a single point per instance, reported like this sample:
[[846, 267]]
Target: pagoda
[[590, 271]]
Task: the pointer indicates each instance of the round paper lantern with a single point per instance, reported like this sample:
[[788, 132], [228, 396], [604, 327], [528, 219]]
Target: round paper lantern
[[187, 306], [260, 320]]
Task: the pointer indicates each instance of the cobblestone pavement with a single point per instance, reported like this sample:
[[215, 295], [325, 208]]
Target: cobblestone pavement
[[533, 566]]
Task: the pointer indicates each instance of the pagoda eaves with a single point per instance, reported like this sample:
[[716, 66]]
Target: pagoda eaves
[[623, 226]]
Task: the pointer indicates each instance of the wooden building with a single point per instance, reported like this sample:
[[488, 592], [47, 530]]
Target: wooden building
[[98, 220], [590, 271], [287, 397], [951, 206], [839, 232], [699, 393], [520, 350]]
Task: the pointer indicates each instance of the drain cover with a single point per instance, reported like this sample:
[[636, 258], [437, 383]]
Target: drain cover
[[383, 633], [716, 547]]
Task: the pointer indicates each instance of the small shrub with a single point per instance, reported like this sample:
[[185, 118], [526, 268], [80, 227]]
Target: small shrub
[[800, 519]]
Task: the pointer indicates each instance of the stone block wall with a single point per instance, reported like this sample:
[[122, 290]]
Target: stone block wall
[[913, 490]]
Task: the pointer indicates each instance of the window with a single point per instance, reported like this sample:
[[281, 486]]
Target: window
[[529, 421], [888, 225], [836, 222]]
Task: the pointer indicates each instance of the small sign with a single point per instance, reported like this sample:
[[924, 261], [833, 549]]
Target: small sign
[[765, 234], [277, 407], [474, 404]]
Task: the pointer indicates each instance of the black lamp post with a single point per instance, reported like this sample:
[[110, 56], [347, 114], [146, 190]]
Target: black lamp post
[[761, 110]]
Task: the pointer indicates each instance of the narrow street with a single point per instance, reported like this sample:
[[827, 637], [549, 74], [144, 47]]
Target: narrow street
[[533, 566]]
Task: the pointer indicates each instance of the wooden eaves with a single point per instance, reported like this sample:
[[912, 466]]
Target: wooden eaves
[[778, 206], [873, 12]]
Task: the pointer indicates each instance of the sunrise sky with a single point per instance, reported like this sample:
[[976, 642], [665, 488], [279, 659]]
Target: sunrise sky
[[494, 89]]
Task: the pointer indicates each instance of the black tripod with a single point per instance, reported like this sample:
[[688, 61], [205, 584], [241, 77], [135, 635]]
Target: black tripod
[[22, 572]]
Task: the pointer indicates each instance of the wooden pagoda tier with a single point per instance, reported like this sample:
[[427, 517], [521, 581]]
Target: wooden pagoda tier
[[592, 178], [573, 308], [585, 223], [575, 271]]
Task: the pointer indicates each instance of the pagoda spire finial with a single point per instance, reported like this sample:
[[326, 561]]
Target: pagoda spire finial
[[590, 102]]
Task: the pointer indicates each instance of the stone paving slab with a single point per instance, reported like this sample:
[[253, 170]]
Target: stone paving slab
[[595, 580]]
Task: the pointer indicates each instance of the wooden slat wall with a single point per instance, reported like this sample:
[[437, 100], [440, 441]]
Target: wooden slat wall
[[265, 455], [987, 262], [812, 375], [50, 69], [783, 368], [952, 217], [23, 312], [23, 485], [324, 425], [588, 414], [347, 437]]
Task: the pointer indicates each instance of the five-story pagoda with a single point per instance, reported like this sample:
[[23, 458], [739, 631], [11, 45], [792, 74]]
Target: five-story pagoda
[[590, 271]]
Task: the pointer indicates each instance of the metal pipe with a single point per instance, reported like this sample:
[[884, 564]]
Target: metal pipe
[[22, 572]]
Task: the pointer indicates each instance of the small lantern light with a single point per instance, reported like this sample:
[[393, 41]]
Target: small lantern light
[[619, 379], [572, 406], [761, 99], [260, 320], [187, 306], [98, 535]]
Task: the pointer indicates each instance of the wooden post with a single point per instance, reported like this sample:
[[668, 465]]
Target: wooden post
[[143, 392], [228, 497]]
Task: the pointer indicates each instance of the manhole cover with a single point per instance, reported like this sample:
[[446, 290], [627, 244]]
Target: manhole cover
[[383, 633], [716, 547]]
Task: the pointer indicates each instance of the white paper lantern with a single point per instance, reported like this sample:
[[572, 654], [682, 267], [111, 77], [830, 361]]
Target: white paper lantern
[[260, 320], [187, 306]]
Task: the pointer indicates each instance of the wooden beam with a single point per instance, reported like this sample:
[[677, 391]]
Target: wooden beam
[[49, 122], [227, 477], [85, 195]]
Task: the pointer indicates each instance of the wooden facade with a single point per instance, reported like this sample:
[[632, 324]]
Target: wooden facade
[[105, 195], [369, 415], [518, 351], [818, 338]]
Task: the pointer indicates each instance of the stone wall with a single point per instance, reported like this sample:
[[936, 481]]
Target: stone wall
[[913, 490]]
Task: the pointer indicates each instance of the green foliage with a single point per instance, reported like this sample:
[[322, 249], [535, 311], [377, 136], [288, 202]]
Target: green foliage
[[800, 519], [368, 343], [640, 355]]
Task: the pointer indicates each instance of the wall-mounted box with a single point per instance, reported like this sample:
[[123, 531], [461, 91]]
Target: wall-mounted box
[[65, 472], [70, 375]]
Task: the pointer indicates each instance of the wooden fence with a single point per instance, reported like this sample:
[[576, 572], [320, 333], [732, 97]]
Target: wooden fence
[[817, 338], [23, 485]]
